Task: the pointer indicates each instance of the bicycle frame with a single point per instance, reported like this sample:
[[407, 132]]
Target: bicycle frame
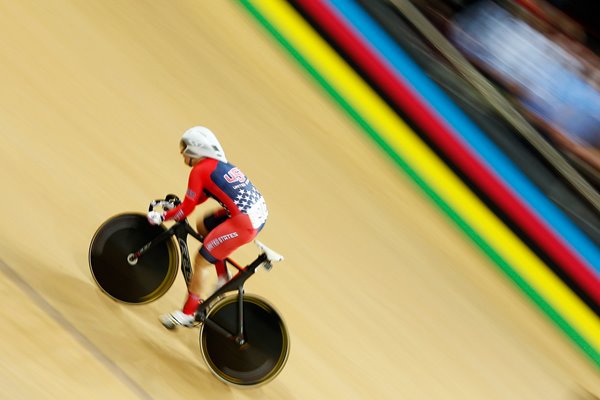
[[181, 230]]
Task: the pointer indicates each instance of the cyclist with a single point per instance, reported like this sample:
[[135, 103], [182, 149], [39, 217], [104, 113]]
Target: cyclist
[[237, 222]]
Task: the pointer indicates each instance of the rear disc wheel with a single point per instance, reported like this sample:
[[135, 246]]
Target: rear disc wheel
[[266, 345]]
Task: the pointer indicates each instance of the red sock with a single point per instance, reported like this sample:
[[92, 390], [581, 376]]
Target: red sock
[[191, 304], [222, 270]]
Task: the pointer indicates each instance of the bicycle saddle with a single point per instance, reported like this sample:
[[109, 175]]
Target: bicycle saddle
[[271, 254]]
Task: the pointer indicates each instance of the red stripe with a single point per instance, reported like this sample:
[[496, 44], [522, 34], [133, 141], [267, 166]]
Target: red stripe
[[431, 124]]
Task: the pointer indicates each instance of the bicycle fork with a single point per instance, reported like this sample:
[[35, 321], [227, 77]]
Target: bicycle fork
[[132, 258]]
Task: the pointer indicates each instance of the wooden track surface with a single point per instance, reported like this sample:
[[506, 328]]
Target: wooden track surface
[[384, 298]]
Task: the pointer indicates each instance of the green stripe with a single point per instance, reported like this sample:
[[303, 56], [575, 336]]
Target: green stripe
[[483, 245]]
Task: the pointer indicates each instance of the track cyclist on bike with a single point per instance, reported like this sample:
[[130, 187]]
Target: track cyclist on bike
[[243, 214]]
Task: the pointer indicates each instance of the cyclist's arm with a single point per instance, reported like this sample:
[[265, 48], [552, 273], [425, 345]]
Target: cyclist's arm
[[194, 195]]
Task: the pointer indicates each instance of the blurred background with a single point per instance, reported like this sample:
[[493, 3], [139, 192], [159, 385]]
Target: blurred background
[[431, 169], [543, 56]]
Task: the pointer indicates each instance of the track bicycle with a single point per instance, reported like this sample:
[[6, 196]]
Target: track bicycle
[[243, 339]]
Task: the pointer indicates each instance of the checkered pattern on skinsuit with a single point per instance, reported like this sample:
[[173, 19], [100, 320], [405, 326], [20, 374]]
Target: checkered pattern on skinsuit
[[251, 203], [245, 199]]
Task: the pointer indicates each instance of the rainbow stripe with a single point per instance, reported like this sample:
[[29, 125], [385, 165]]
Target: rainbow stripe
[[398, 77], [383, 124]]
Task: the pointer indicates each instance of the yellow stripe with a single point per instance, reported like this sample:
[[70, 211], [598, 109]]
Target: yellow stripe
[[429, 167]]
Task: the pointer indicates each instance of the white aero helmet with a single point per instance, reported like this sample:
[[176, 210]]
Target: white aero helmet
[[200, 142]]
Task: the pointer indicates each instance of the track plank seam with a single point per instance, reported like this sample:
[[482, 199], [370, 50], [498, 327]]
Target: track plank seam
[[54, 314]]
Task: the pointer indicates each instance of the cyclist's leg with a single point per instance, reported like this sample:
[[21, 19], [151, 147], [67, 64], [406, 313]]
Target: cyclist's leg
[[196, 294], [220, 242], [204, 226], [210, 221]]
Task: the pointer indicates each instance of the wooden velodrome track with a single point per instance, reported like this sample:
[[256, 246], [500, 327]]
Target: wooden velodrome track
[[383, 296]]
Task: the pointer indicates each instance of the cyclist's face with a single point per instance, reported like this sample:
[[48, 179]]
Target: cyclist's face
[[186, 159]]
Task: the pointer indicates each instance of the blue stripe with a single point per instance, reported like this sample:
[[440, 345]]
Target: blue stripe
[[364, 26]]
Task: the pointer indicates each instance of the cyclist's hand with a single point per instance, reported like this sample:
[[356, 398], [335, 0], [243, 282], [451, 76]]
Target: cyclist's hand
[[155, 218]]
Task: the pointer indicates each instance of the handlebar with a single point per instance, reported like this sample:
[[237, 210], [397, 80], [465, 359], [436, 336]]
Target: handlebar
[[169, 202]]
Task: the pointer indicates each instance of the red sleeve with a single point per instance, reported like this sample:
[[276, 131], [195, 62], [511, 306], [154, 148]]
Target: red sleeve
[[193, 196]]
